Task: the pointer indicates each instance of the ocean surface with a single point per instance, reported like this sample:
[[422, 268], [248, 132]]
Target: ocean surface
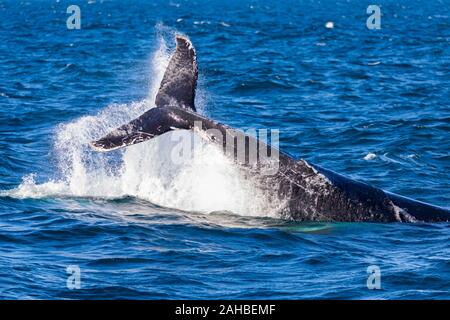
[[370, 104]]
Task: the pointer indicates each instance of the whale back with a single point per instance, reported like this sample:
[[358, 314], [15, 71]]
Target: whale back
[[179, 82]]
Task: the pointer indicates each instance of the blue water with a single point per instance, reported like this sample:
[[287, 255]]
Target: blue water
[[371, 104]]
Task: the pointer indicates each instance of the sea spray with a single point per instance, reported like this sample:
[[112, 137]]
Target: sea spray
[[205, 182]]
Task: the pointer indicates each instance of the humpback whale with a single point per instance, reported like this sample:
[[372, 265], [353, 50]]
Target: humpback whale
[[311, 193]]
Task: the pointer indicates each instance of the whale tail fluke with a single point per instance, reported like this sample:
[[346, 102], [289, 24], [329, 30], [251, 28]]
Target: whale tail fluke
[[152, 123], [180, 78], [177, 89]]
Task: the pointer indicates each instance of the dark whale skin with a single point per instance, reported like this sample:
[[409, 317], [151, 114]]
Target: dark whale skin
[[312, 193]]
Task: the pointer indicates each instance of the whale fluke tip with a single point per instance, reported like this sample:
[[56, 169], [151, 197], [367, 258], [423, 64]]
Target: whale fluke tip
[[180, 78]]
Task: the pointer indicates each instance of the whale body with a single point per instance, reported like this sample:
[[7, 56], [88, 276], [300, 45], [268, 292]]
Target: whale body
[[312, 193]]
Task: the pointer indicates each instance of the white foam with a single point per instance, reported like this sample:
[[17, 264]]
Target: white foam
[[329, 25], [205, 183], [370, 156]]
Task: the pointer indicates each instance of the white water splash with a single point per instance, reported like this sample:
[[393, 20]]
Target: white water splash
[[370, 156], [205, 183], [329, 25]]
